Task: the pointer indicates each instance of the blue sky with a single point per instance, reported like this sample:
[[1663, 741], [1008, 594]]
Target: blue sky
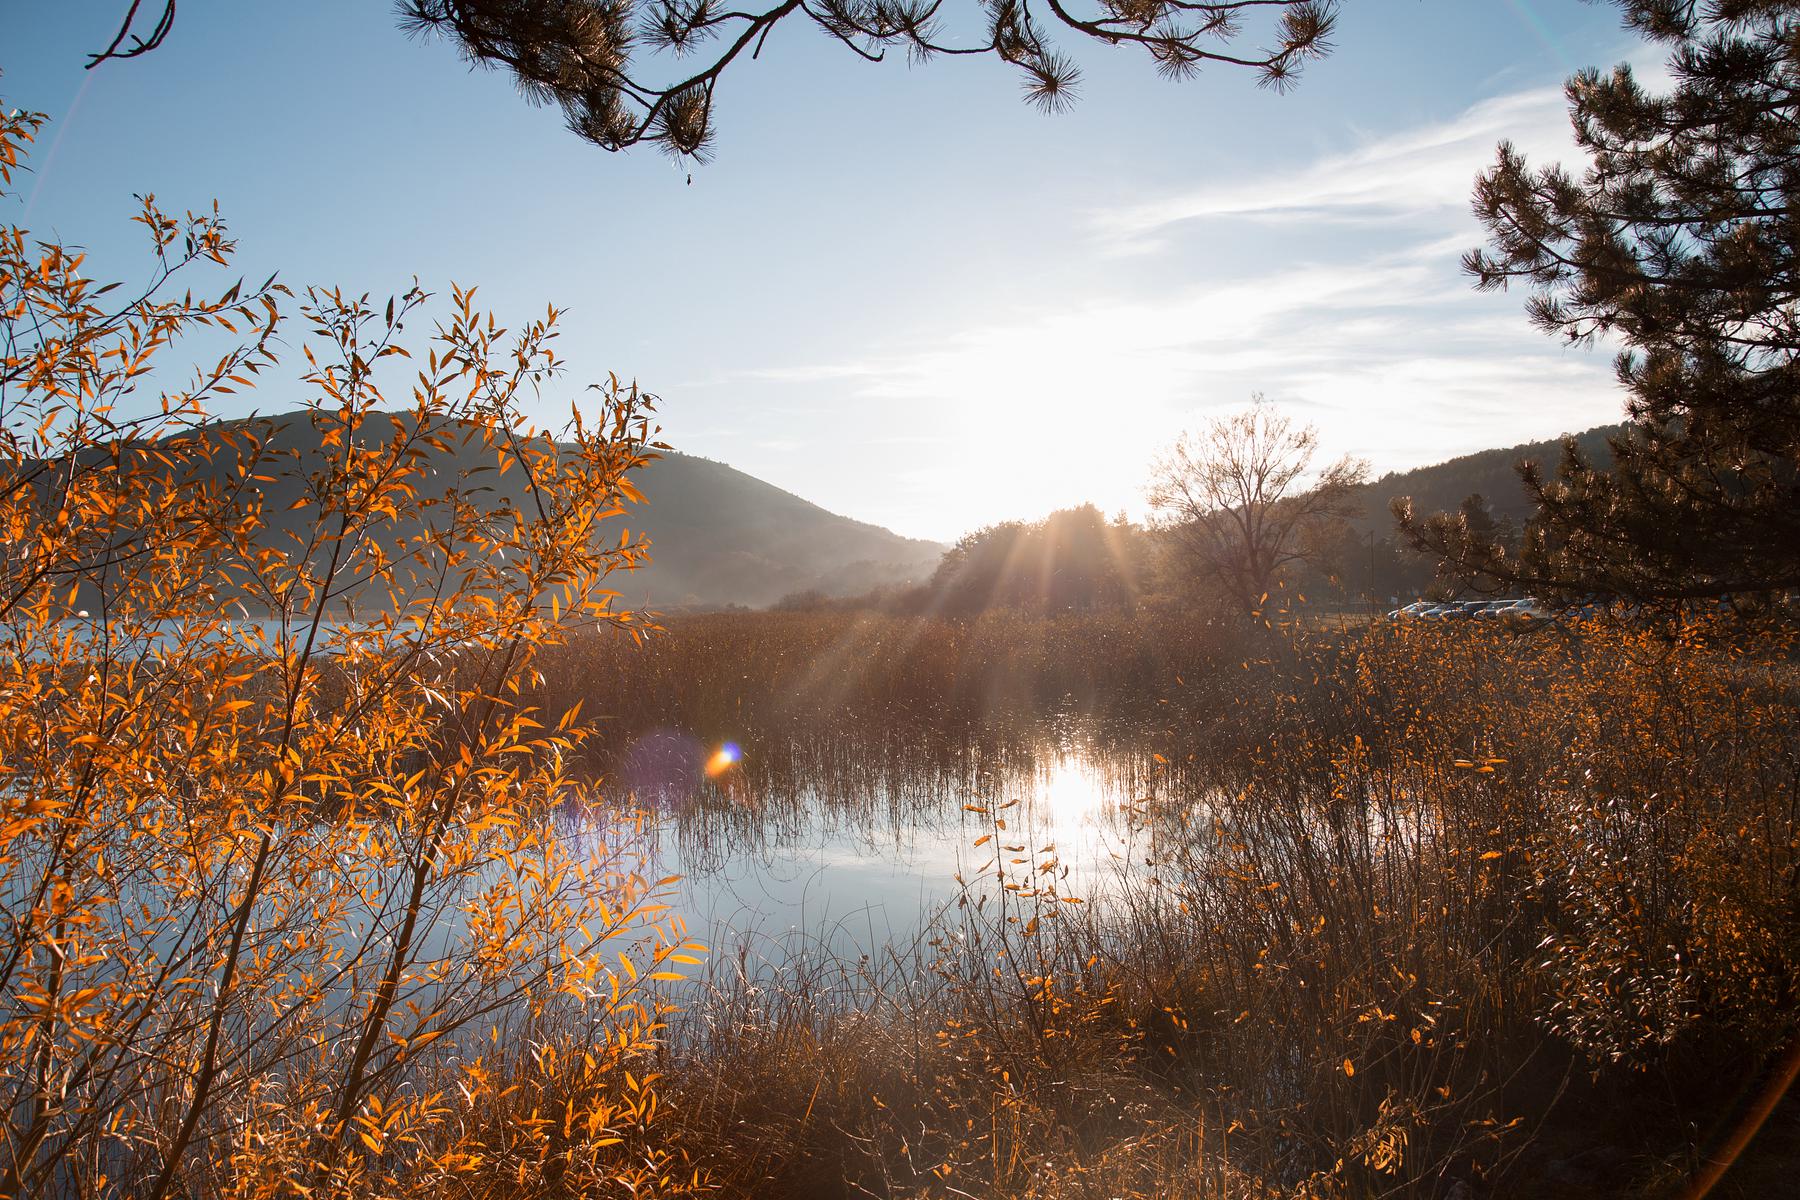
[[898, 291]]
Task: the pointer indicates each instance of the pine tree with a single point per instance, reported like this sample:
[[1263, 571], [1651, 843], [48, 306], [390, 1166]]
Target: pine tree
[[1682, 241], [625, 72]]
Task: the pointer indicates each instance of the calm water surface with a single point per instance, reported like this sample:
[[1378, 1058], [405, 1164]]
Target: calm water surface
[[849, 839]]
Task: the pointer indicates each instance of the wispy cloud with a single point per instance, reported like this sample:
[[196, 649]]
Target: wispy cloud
[[1377, 339], [1399, 175], [1157, 349]]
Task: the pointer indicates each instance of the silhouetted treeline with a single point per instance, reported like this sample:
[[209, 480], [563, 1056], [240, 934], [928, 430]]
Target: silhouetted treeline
[[1074, 560], [1078, 560]]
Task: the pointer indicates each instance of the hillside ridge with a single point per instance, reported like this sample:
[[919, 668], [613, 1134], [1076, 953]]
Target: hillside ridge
[[718, 536], [1442, 486]]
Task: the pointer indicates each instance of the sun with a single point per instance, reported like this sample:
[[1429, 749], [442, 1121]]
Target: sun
[[1050, 417]]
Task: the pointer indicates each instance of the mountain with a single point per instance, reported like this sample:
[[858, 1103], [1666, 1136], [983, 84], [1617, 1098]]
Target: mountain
[[1441, 487], [718, 536], [1374, 560]]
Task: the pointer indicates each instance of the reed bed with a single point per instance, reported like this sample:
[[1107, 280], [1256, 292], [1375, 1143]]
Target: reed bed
[[719, 674], [1425, 912]]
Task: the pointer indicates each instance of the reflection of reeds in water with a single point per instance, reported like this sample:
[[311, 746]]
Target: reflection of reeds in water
[[868, 781]]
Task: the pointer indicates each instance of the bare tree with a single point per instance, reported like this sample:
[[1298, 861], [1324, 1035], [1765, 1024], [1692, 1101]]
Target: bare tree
[[1240, 501]]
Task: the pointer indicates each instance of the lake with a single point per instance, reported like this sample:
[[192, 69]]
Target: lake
[[849, 839]]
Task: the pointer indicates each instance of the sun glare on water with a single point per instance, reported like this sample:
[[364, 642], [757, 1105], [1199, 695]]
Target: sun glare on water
[[1072, 793]]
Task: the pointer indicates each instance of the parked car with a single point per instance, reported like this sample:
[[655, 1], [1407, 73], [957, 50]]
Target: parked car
[[1462, 610], [1521, 610], [1518, 612]]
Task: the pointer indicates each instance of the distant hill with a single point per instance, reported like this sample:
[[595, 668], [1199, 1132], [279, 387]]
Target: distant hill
[[718, 536], [1442, 486]]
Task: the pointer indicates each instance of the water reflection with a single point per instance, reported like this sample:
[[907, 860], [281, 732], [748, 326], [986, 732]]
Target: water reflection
[[849, 838]]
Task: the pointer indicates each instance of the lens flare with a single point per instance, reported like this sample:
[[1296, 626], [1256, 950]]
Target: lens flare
[[723, 759]]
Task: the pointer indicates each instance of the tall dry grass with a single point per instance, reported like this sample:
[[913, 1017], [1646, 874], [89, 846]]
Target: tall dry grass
[[719, 674], [1433, 911]]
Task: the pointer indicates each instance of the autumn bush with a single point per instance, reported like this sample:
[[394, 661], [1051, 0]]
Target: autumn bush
[[1427, 907], [309, 890], [292, 903]]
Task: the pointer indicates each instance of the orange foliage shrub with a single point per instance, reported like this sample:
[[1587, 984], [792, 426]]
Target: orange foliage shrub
[[1449, 875], [293, 904]]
